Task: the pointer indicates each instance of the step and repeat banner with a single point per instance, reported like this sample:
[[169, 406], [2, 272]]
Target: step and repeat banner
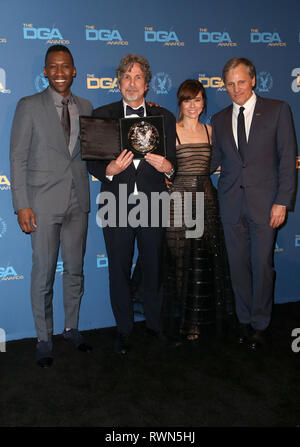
[[181, 40]]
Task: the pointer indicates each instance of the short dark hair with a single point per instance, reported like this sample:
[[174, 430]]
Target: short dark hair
[[56, 48], [234, 62], [189, 89], [126, 63]]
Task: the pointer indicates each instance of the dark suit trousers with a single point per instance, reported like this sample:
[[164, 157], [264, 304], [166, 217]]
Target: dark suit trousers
[[120, 244], [68, 232], [250, 248]]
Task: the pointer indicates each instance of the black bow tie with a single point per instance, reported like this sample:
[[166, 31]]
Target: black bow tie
[[131, 111]]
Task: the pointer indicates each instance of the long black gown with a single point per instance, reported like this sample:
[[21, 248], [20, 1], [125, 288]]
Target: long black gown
[[197, 286]]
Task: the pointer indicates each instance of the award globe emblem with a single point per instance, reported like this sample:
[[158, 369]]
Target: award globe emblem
[[143, 137]]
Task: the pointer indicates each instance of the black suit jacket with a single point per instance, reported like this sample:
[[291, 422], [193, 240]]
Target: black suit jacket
[[268, 174], [147, 178]]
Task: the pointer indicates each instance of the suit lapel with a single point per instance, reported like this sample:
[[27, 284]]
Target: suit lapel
[[229, 130], [120, 109], [54, 127], [117, 111], [77, 148], [151, 111], [257, 119]]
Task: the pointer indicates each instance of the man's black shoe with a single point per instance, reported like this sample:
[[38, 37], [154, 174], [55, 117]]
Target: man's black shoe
[[243, 334], [122, 345], [257, 340], [45, 362], [163, 339], [77, 340], [44, 356]]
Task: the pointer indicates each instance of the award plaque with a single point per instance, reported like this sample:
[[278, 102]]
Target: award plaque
[[99, 137], [143, 135]]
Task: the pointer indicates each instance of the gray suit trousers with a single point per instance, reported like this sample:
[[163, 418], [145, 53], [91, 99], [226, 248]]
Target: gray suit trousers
[[67, 232]]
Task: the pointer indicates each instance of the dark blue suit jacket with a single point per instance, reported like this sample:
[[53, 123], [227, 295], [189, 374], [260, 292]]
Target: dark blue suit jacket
[[147, 178], [268, 174]]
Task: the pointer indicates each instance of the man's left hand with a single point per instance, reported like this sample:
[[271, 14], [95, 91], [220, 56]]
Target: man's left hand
[[278, 214], [160, 163]]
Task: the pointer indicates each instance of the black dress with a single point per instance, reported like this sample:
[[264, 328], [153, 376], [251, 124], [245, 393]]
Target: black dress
[[197, 287]]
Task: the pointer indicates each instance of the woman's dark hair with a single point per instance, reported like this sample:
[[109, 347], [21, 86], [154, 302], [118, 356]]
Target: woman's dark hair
[[189, 89]]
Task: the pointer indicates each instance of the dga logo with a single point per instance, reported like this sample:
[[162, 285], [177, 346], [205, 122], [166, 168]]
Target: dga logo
[[4, 183], [102, 261], [296, 82], [168, 38], [264, 82], [3, 40], [108, 84], [278, 249], [51, 35], [9, 273], [218, 170], [3, 88], [111, 37], [297, 240], [212, 82], [221, 38], [272, 39], [60, 267], [41, 83], [161, 83], [3, 227]]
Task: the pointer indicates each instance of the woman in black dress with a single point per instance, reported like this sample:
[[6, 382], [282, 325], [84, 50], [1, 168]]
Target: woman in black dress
[[197, 287]]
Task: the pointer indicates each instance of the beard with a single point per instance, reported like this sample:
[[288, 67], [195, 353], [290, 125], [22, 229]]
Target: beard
[[132, 96]]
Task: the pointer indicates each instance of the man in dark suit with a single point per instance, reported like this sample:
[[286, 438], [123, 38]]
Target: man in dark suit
[[50, 190], [254, 144], [144, 176]]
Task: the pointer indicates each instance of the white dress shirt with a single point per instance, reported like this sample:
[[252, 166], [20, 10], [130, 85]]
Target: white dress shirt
[[136, 161], [248, 115]]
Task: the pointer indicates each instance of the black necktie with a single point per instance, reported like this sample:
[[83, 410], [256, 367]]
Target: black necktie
[[65, 119], [242, 141], [131, 111]]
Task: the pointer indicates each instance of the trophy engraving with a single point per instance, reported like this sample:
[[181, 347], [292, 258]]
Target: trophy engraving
[[143, 137]]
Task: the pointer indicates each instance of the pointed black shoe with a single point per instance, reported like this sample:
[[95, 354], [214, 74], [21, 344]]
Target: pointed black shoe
[[161, 338], [257, 340], [45, 362], [243, 334], [77, 340], [44, 356]]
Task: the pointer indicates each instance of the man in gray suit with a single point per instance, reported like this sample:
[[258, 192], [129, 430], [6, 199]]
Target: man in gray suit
[[254, 143], [50, 189]]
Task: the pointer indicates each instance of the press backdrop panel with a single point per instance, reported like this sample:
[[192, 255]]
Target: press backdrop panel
[[189, 39]]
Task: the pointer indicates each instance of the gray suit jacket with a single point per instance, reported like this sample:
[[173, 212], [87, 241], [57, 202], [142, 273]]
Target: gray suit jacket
[[42, 169], [268, 174]]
